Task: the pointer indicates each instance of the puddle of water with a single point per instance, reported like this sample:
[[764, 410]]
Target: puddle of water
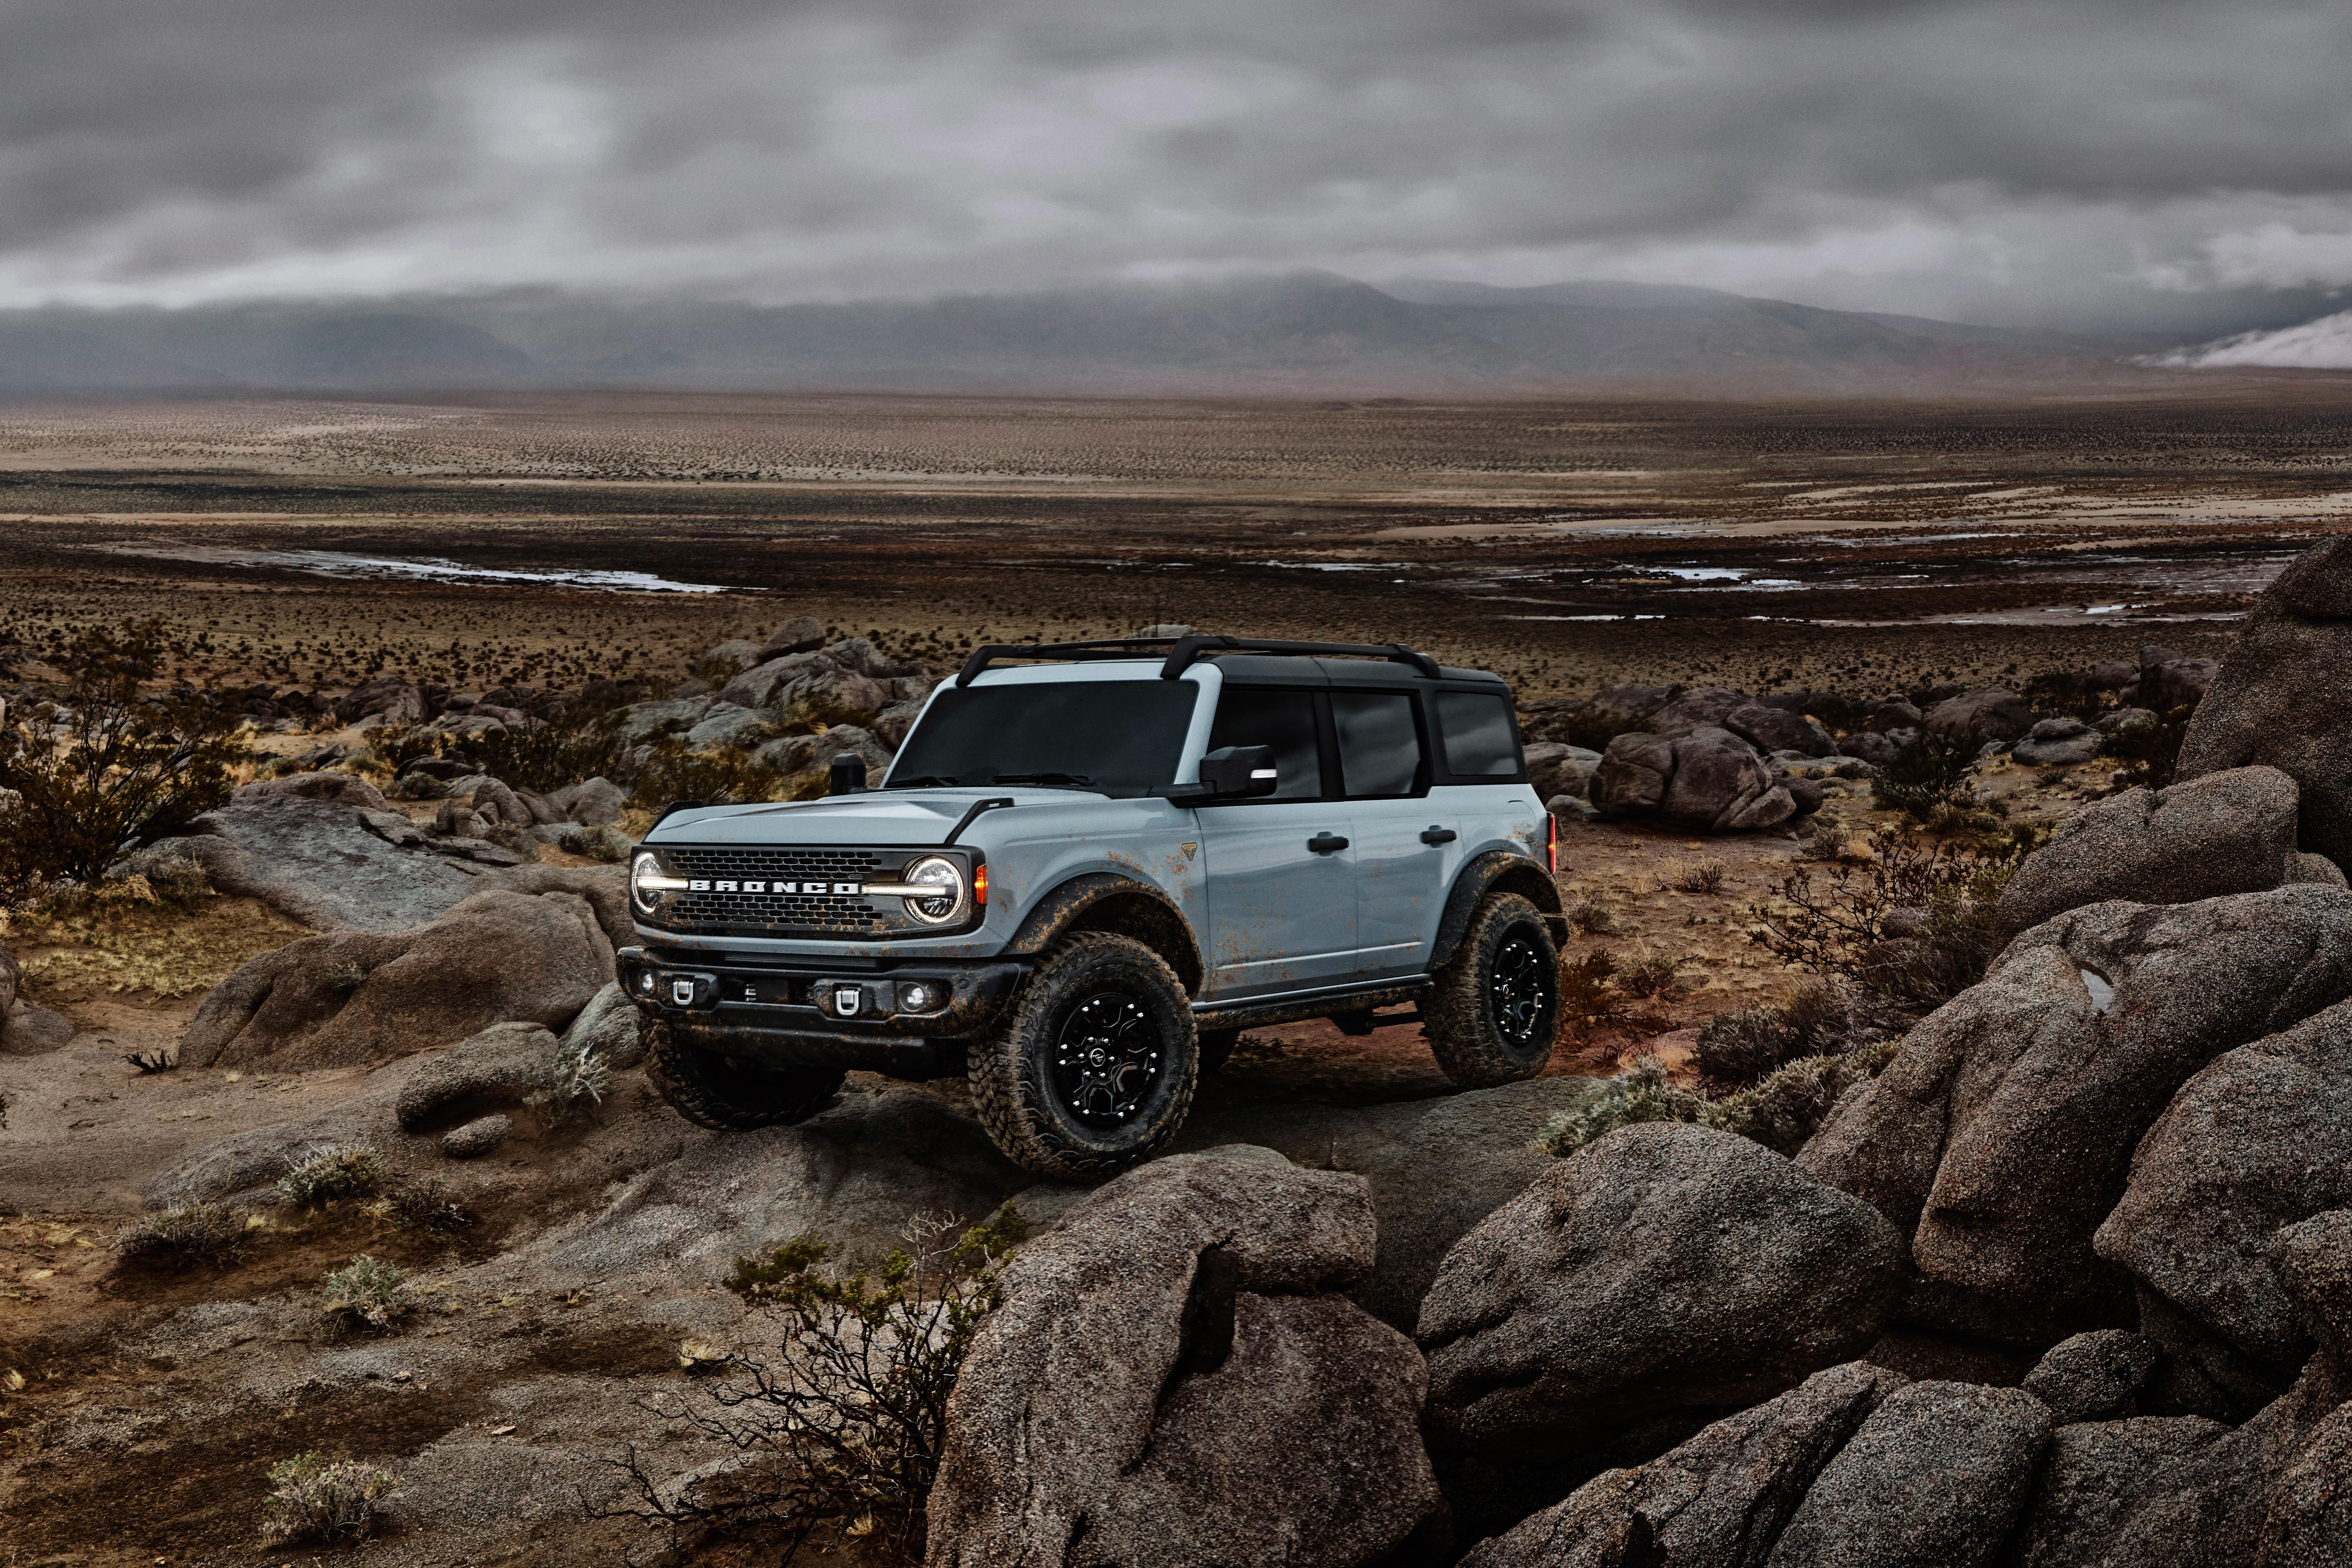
[[340, 564], [2102, 995]]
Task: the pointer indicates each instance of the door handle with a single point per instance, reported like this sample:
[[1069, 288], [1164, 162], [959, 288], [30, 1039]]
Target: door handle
[[1436, 835], [1324, 843]]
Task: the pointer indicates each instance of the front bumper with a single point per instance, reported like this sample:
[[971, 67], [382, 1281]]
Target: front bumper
[[807, 1012]]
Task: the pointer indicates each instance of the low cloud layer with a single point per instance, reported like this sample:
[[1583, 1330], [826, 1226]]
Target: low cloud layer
[[2104, 162], [2323, 344]]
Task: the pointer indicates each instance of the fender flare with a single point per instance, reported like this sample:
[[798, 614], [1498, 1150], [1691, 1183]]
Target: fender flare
[[1497, 870], [1083, 903]]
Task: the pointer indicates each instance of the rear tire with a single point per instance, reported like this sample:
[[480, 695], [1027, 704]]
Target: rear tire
[[716, 1090], [1095, 1072], [1493, 1013]]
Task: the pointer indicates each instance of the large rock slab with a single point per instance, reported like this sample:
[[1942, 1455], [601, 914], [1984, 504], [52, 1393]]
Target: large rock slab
[[2226, 833], [2279, 699], [1170, 1381], [1935, 1479], [356, 998], [2259, 1140], [317, 861], [2094, 1475], [1717, 1501], [1999, 1136], [1707, 780], [1436, 1168], [1974, 718], [1664, 1270], [2308, 1521]]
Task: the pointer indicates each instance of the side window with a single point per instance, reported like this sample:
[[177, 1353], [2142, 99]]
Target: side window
[[1256, 716], [1379, 749], [1478, 741]]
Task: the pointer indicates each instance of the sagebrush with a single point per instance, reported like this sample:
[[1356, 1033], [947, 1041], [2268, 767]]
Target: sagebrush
[[330, 1175], [371, 1293], [315, 1500]]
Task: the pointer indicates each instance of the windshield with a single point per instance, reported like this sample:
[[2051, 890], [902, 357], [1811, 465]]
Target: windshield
[[1120, 737]]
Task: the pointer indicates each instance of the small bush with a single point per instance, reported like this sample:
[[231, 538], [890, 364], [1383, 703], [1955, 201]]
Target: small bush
[[1833, 919], [1700, 876], [330, 1175], [1740, 1047], [576, 1080], [427, 1206], [715, 778], [2067, 692], [315, 1500], [180, 1238], [1655, 977], [1925, 774], [1587, 988], [1790, 1105], [370, 1292], [345, 977], [2150, 752], [416, 786], [1593, 919], [1640, 1093]]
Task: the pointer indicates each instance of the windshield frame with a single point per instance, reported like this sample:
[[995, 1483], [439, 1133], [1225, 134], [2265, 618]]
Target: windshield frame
[[1200, 683]]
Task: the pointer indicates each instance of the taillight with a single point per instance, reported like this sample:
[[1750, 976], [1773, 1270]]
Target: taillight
[[980, 886], [1551, 841]]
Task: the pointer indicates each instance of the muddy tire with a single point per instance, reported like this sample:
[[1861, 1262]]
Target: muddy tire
[[716, 1090], [1493, 1013], [1095, 1070]]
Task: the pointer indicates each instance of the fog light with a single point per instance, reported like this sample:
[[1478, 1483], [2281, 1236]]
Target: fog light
[[914, 997], [645, 983]]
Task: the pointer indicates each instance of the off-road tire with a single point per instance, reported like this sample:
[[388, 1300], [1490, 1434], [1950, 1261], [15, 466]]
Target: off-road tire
[[714, 1091], [1469, 1021], [1217, 1048], [1014, 1074]]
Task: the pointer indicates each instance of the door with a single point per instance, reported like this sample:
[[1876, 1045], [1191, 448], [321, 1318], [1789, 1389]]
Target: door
[[1404, 855], [1281, 871]]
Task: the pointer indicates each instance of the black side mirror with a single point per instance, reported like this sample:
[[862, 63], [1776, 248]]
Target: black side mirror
[[848, 775], [1239, 771]]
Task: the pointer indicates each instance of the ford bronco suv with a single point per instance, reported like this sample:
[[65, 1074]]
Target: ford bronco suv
[[1089, 867]]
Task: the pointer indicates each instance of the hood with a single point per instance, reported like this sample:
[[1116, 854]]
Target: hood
[[903, 817]]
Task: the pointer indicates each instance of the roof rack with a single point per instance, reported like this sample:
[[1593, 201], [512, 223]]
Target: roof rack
[[1182, 651]]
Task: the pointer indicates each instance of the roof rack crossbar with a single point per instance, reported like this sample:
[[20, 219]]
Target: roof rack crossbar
[[1184, 650]]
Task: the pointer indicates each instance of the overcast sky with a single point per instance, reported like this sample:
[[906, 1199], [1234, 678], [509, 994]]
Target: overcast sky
[[2072, 161]]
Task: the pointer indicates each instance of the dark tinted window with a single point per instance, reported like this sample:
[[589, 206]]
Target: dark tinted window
[[1125, 735], [1379, 751], [1478, 731], [1254, 716]]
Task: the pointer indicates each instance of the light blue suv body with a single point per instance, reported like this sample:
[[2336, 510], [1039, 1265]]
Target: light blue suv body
[[897, 929]]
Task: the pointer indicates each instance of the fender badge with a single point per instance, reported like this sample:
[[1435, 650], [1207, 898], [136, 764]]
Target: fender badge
[[1190, 850]]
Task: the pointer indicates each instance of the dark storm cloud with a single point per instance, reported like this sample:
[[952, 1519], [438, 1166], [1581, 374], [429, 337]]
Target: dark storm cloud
[[1999, 158]]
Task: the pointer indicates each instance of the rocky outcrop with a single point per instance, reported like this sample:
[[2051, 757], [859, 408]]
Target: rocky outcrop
[[1779, 730], [2168, 681], [801, 633], [359, 998], [1707, 780], [1998, 1138], [2227, 832], [341, 789], [1666, 1270], [1248, 1415], [1934, 1478], [26, 1029], [1554, 768], [1974, 718], [2059, 743], [1717, 1501], [2095, 1376], [2093, 1477], [2279, 701], [319, 863]]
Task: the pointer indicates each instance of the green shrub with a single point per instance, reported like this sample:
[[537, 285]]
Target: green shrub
[[1924, 775], [180, 1238], [425, 1204], [1782, 1113], [330, 1175], [371, 1293], [1640, 1093], [1739, 1047], [311, 1499], [1832, 918]]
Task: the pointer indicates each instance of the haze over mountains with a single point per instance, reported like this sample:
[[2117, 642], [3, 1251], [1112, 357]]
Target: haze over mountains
[[1304, 333]]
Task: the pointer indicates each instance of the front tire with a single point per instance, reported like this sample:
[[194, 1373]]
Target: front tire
[[1097, 1069], [715, 1090], [1493, 1013]]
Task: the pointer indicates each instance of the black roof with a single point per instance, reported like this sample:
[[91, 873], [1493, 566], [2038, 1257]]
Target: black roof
[[1253, 662]]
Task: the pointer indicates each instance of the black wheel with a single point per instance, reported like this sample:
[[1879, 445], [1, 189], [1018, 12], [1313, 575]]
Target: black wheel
[[1095, 1072], [1217, 1048], [1495, 1010], [722, 1091]]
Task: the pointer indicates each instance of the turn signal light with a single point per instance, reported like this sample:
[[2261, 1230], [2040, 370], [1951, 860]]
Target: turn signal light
[[980, 886]]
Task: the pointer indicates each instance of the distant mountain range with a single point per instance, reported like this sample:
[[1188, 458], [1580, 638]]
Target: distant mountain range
[[1307, 332]]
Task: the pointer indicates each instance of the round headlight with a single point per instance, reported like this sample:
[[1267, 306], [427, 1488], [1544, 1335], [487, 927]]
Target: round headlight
[[645, 876], [944, 874]]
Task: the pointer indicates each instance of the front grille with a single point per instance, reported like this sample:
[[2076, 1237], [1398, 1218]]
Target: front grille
[[778, 913]]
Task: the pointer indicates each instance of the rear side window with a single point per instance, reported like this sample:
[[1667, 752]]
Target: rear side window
[[1478, 740], [1256, 716], [1379, 748]]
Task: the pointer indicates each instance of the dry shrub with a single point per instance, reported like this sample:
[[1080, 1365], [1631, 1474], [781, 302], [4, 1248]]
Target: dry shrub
[[179, 1239], [1653, 977], [368, 1292], [1782, 1113], [1822, 1018], [154, 932], [1593, 919], [329, 1175], [322, 1501], [672, 772], [843, 1427], [1834, 919], [1699, 876]]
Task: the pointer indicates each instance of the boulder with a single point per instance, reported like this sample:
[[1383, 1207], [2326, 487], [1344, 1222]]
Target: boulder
[[596, 803], [1665, 1271], [2303, 866], [341, 789], [455, 819], [481, 724], [2059, 743], [607, 1028], [759, 686], [1879, 747], [394, 828], [29, 1030], [1891, 716], [389, 701], [644, 721], [359, 998], [498, 805], [2308, 1521], [1706, 780], [2226, 833], [477, 1138], [2095, 1376], [1806, 795], [1248, 1415], [2313, 1261], [1998, 1136], [2168, 681], [1623, 707], [321, 864], [1777, 730], [1934, 1478], [802, 634], [2279, 699], [724, 724], [834, 695], [2260, 1138], [895, 722], [737, 655], [1717, 1501], [1696, 708], [241, 1168], [2116, 718], [502, 1066], [860, 656], [1554, 768], [2093, 1476], [1976, 718]]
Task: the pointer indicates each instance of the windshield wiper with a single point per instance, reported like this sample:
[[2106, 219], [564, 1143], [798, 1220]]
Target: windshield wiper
[[1049, 781], [923, 781]]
